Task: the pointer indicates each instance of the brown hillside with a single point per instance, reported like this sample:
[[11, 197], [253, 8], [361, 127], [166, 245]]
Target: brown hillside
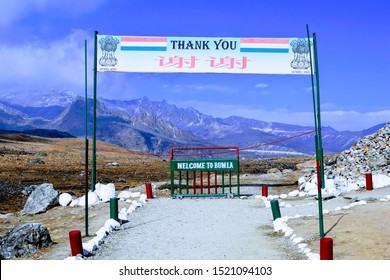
[[63, 166]]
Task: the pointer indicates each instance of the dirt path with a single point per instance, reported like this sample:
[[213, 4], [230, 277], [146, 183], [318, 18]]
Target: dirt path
[[166, 228], [195, 229]]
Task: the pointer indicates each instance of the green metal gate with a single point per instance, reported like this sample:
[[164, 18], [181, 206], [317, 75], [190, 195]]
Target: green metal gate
[[206, 176]]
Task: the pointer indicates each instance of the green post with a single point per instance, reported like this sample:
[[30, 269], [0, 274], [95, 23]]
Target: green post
[[172, 182], [320, 149], [93, 179], [114, 208], [86, 139], [275, 209], [317, 123]]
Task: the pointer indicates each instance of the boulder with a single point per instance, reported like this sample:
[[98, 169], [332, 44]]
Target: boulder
[[24, 240], [93, 199], [105, 191], [42, 198], [65, 199], [36, 161], [311, 164], [123, 195], [274, 171], [278, 178]]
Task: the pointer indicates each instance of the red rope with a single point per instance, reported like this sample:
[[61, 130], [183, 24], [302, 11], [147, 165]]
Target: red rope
[[242, 149], [277, 141]]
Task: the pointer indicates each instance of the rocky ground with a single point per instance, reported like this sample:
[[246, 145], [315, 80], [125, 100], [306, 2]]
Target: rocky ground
[[28, 160]]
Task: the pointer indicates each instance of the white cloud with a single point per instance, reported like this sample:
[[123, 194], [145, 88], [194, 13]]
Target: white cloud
[[13, 11], [184, 88], [339, 120], [352, 120], [46, 64], [261, 85]]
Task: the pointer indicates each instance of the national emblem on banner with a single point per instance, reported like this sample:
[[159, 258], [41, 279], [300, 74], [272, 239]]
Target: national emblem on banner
[[108, 46], [300, 48]]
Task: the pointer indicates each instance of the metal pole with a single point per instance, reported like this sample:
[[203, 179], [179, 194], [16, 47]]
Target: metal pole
[[321, 182], [93, 179], [312, 87], [321, 152], [86, 141], [317, 138]]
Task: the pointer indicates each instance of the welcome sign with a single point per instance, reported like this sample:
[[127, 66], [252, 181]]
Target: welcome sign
[[203, 55], [204, 165]]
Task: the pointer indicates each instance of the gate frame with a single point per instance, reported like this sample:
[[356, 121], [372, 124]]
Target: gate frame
[[317, 122], [173, 169]]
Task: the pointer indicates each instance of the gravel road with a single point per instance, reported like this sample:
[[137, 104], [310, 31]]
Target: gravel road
[[213, 228], [203, 228]]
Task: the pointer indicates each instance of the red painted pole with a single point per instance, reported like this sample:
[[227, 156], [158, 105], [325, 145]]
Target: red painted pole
[[208, 182], [149, 193], [369, 186], [264, 191], [318, 175], [201, 182], [194, 181], [326, 248], [76, 245], [215, 182]]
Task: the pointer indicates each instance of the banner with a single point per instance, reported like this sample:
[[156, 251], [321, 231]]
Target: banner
[[203, 55]]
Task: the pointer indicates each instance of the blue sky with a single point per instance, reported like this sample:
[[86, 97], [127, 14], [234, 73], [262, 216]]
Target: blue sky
[[42, 48]]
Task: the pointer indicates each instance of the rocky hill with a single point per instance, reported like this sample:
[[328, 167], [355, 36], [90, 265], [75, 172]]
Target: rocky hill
[[154, 127], [371, 154], [347, 170]]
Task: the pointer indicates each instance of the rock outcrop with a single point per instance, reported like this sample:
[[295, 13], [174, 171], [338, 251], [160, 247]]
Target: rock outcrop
[[371, 154], [42, 198], [24, 240]]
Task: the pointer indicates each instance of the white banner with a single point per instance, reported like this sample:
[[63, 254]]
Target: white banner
[[203, 55]]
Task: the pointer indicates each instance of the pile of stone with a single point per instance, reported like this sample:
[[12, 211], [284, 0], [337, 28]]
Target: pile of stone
[[371, 154]]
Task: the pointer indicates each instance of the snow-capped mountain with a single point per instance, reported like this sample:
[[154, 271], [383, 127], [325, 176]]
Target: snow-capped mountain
[[240, 131], [152, 126]]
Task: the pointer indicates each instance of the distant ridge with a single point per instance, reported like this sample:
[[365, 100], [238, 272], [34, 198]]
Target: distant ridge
[[156, 126], [47, 133]]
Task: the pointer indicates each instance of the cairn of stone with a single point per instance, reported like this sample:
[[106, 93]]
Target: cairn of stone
[[371, 154]]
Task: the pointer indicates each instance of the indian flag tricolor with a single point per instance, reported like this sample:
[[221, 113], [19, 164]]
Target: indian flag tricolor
[[143, 44], [264, 45]]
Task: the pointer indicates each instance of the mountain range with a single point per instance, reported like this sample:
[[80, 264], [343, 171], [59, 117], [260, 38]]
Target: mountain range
[[155, 126]]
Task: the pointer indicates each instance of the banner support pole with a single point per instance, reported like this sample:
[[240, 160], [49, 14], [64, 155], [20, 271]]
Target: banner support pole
[[317, 123], [93, 179], [86, 139]]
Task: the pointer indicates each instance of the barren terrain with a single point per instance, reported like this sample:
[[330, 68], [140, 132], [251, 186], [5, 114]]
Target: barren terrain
[[361, 233], [64, 166]]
